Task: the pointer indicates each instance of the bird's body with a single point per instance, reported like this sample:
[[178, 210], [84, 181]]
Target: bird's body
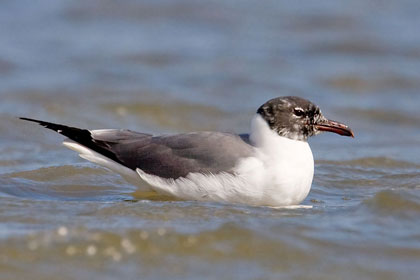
[[272, 166]]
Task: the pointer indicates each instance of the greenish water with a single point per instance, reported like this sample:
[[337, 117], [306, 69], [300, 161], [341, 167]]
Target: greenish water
[[163, 67]]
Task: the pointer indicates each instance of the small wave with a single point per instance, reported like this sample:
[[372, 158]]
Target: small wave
[[226, 243], [175, 115], [368, 172], [382, 162], [52, 173], [65, 182], [385, 116], [391, 201], [361, 84]]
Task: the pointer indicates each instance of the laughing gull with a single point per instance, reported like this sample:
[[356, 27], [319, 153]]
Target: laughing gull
[[271, 166]]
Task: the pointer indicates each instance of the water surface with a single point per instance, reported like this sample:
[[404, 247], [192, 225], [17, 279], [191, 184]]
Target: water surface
[[165, 66]]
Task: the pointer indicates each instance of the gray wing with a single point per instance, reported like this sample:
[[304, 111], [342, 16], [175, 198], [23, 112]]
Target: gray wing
[[175, 156], [171, 156]]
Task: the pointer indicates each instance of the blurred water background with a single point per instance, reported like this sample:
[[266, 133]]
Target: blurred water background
[[170, 66]]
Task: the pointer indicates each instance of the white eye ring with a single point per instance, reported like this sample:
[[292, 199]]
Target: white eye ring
[[298, 112]]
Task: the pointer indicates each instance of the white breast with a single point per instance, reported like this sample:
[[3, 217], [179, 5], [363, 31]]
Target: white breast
[[286, 168]]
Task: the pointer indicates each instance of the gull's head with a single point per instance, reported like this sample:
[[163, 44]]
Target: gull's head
[[297, 118]]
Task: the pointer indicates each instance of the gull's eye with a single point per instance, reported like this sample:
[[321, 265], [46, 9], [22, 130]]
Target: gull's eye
[[298, 112]]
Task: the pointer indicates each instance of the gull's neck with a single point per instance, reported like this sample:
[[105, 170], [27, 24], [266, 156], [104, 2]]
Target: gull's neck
[[263, 137]]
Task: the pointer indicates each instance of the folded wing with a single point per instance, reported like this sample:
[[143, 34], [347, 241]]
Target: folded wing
[[168, 156]]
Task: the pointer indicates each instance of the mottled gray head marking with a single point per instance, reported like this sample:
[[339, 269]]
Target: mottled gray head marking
[[292, 117]]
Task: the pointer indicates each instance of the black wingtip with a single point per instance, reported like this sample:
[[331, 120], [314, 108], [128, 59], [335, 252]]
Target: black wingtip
[[73, 133], [28, 119], [34, 120], [56, 127], [81, 136]]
